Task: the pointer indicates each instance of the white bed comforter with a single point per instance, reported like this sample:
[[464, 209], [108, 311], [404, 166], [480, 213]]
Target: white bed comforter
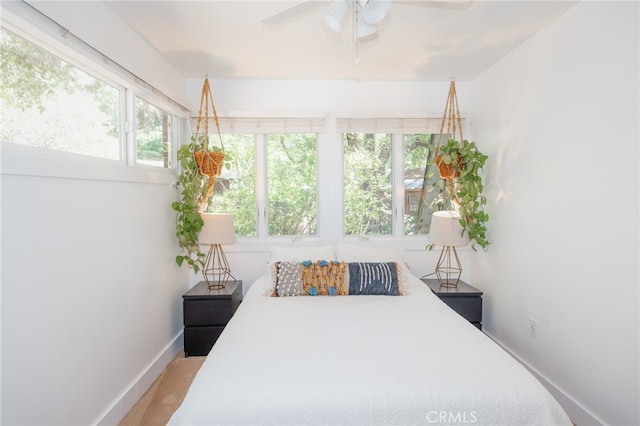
[[360, 360]]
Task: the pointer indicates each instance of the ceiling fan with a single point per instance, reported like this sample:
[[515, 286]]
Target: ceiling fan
[[306, 6], [364, 14]]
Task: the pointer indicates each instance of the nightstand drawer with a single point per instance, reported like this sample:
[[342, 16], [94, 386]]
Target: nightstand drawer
[[469, 308], [206, 312], [198, 341]]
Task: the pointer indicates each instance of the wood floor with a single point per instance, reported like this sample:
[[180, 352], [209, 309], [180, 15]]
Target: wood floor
[[165, 394]]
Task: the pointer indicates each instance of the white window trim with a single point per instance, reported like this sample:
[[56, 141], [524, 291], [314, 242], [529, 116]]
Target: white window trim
[[394, 125], [268, 125]]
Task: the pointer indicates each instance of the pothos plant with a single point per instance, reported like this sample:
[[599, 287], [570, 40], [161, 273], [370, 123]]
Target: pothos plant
[[193, 201], [464, 187]]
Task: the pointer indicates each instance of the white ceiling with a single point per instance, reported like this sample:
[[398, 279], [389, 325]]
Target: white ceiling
[[417, 40]]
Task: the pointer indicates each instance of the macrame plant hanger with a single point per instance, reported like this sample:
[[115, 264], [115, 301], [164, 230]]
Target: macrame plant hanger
[[451, 119], [453, 122], [209, 162]]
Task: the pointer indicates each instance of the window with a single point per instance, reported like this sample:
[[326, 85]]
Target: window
[[418, 151], [292, 184], [49, 103], [386, 161], [154, 135], [412, 203], [289, 193], [369, 181], [368, 195], [272, 179], [270, 183], [60, 104], [235, 188]]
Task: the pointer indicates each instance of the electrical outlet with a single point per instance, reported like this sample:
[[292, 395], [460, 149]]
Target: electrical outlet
[[533, 328]]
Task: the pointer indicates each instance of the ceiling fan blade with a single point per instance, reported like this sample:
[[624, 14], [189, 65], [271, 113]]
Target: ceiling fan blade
[[442, 4], [292, 12]]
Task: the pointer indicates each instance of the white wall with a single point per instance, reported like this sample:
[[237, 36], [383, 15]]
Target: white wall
[[559, 119], [91, 297]]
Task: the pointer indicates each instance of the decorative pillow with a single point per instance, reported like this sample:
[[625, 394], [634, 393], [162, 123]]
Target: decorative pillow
[[352, 252], [334, 278], [319, 278], [374, 278], [287, 279], [324, 278]]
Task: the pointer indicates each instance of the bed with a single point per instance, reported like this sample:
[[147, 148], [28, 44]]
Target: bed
[[359, 360]]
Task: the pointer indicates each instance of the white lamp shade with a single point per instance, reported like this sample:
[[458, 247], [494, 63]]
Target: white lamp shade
[[446, 229], [374, 11], [334, 13], [218, 228]]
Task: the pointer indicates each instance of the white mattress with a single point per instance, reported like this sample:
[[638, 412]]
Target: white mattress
[[360, 360]]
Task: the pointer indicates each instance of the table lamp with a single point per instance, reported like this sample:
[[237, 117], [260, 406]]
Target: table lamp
[[446, 231], [218, 229]]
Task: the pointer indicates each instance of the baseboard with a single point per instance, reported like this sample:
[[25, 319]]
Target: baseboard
[[579, 415], [127, 399]]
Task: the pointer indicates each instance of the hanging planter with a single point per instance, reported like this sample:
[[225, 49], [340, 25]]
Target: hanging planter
[[446, 167], [200, 164], [459, 164], [208, 159]]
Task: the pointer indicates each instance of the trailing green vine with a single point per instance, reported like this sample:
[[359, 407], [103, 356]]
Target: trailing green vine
[[188, 222], [193, 201], [466, 189]]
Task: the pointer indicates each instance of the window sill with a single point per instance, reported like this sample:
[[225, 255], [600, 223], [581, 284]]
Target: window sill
[[21, 160]]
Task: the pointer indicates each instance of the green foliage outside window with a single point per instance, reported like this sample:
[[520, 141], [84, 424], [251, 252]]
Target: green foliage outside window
[[292, 184], [49, 103], [368, 188], [153, 135], [235, 188]]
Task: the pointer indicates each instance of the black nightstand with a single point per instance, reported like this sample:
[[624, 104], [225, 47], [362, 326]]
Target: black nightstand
[[206, 313], [464, 299]]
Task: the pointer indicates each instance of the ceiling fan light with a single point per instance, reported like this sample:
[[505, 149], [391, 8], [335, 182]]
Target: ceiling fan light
[[365, 30], [374, 11], [334, 13]]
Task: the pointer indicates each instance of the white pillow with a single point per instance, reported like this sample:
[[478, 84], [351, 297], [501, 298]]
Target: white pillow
[[301, 253], [350, 252]]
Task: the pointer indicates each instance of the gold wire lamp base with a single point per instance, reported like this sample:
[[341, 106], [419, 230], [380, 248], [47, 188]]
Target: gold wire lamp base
[[216, 268], [449, 268]]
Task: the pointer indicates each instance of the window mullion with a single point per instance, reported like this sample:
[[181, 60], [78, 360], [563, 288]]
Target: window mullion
[[129, 134], [261, 184], [397, 141]]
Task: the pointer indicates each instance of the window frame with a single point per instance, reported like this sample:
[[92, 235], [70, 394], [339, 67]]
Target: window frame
[[34, 161], [397, 126], [328, 143]]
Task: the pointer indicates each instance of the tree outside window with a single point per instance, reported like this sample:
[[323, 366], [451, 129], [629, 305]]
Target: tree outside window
[[49, 103], [235, 188], [154, 136], [292, 184], [368, 192], [421, 183]]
